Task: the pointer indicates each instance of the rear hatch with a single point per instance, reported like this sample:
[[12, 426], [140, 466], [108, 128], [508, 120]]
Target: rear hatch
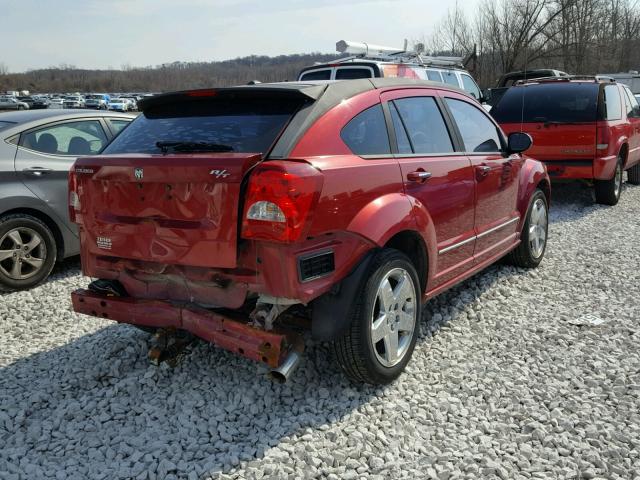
[[169, 188], [561, 118]]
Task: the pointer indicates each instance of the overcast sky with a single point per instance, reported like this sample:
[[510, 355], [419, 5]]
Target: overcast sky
[[113, 33]]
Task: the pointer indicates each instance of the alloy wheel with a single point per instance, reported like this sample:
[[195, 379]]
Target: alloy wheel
[[394, 317], [22, 253], [538, 225]]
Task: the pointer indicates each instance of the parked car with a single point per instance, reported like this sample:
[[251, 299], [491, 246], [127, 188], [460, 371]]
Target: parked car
[[99, 101], [73, 101], [583, 128], [372, 61], [119, 104], [133, 103], [348, 203], [493, 95], [37, 148], [12, 103], [40, 102]]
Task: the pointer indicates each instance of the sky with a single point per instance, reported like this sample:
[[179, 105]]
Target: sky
[[117, 33]]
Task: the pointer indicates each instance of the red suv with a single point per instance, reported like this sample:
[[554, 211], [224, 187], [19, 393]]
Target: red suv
[[581, 129], [244, 214]]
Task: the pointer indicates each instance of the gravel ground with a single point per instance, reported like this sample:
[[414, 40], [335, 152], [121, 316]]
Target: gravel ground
[[508, 380]]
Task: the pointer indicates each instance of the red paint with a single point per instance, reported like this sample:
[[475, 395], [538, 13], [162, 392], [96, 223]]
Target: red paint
[[174, 234]]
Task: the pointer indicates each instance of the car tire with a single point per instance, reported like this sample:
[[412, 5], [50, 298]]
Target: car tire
[[32, 264], [395, 324], [633, 175], [533, 239], [608, 191]]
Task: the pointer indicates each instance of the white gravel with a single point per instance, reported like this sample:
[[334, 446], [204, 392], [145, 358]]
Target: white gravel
[[506, 382]]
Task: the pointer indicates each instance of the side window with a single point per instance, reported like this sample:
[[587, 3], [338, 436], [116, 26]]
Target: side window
[[366, 133], [324, 74], [478, 132], [612, 102], [84, 137], [404, 146], [632, 101], [434, 76], [450, 78], [352, 73], [118, 125], [470, 86], [425, 126]]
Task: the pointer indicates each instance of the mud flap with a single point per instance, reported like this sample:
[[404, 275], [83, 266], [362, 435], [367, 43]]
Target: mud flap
[[331, 313]]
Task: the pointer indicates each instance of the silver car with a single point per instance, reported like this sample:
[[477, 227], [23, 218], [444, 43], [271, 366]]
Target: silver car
[[37, 148], [12, 103]]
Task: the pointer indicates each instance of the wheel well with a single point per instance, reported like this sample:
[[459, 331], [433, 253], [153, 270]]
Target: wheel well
[[48, 221], [546, 189], [624, 153], [411, 244]]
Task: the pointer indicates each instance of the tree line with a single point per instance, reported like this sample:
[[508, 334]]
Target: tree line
[[576, 36], [582, 37]]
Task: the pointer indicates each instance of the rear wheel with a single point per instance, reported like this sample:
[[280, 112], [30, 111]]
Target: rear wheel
[[27, 251], [633, 175], [384, 322], [533, 240], [608, 191]]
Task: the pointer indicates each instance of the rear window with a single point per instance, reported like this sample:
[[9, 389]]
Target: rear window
[[317, 75], [434, 76], [549, 102], [247, 125]]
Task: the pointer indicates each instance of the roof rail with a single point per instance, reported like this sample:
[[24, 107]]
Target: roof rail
[[568, 78], [361, 50]]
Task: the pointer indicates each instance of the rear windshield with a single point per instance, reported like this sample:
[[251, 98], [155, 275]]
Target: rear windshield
[[246, 126], [317, 75], [562, 102]]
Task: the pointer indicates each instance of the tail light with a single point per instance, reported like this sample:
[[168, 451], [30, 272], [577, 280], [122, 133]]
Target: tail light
[[74, 199], [279, 201], [603, 136]]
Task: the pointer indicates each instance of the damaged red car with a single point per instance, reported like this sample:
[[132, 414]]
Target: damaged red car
[[246, 216]]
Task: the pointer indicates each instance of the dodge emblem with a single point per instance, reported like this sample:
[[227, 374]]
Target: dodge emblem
[[138, 173]]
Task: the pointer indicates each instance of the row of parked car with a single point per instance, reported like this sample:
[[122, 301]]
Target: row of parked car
[[98, 101], [226, 214]]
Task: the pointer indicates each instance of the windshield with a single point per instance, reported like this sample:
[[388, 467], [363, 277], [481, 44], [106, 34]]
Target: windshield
[[117, 100], [245, 126], [549, 102]]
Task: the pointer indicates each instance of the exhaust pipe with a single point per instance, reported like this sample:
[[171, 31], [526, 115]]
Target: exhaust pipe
[[286, 368]]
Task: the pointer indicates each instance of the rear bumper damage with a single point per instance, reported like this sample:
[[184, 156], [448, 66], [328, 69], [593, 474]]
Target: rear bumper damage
[[233, 334]]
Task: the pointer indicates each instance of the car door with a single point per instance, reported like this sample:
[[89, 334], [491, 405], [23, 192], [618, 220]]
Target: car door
[[46, 153], [633, 116], [436, 175], [496, 176]]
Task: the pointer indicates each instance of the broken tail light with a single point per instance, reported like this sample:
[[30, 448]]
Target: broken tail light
[[279, 201]]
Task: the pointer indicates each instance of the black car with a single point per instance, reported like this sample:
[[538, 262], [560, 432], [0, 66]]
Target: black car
[[34, 102]]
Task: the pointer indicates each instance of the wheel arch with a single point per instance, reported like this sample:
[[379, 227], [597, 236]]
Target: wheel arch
[[412, 245], [47, 220]]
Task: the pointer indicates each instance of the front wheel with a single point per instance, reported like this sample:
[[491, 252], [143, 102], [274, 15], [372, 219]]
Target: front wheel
[[608, 191], [533, 239], [384, 321], [27, 251]]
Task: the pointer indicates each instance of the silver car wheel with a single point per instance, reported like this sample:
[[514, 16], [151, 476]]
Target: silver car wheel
[[22, 253], [618, 180], [538, 225], [393, 318]]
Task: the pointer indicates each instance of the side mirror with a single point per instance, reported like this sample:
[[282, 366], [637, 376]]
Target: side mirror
[[519, 142]]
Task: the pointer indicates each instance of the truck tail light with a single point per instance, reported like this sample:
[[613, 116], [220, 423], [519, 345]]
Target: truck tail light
[[74, 199], [279, 201], [603, 137]]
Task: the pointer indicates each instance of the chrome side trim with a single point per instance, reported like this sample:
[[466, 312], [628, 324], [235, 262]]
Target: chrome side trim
[[475, 237]]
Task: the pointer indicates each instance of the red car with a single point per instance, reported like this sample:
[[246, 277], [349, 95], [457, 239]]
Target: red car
[[246, 215], [581, 129]]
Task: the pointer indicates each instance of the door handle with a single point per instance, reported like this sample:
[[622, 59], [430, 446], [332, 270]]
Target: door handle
[[418, 176], [483, 170], [37, 171]]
